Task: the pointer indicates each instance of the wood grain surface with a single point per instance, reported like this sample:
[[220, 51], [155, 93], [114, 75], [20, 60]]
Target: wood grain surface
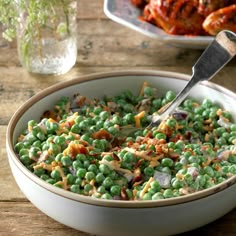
[[103, 45]]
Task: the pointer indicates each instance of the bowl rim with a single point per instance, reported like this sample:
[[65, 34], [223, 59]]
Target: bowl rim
[[103, 202]]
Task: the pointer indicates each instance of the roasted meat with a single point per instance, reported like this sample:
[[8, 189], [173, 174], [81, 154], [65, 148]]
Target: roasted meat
[[189, 17], [175, 16], [208, 6], [224, 18], [140, 3]]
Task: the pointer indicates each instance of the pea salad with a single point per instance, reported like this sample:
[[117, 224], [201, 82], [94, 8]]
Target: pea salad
[[77, 146]]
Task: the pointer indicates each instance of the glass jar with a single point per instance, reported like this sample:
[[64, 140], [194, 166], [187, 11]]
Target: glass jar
[[46, 35]]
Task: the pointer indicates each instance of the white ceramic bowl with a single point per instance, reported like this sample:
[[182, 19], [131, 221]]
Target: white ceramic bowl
[[113, 217], [125, 13]]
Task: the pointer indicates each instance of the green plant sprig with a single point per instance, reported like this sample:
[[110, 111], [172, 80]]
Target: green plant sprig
[[38, 12]]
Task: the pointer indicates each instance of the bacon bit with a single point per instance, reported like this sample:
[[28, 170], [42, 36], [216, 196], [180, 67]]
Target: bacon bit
[[145, 84], [136, 179], [173, 155], [146, 187], [75, 148], [138, 117], [21, 138], [50, 114], [209, 121], [81, 100], [218, 168], [123, 194], [112, 106], [102, 134], [115, 156], [138, 163]]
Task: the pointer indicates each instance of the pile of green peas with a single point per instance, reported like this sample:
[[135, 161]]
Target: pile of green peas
[[194, 149]]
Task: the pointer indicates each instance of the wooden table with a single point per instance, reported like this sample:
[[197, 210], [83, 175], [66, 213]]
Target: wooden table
[[102, 46]]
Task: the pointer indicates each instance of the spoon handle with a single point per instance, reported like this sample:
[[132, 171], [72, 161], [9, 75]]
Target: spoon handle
[[216, 55]]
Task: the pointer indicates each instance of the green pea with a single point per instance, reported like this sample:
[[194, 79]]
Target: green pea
[[232, 159], [201, 179], [209, 171], [155, 186], [180, 145], [170, 95], [233, 127], [75, 188], [148, 91], [177, 184], [107, 182], [97, 110], [25, 159], [160, 136], [206, 103], [55, 174], [77, 164], [51, 181], [88, 187], [156, 103], [44, 177], [81, 172], [232, 169], [168, 193], [78, 180], [104, 115], [149, 171], [188, 178], [70, 179], [157, 196], [78, 119], [167, 162], [66, 161], [39, 172], [19, 146], [81, 157], [106, 196], [52, 126], [171, 122], [147, 196], [129, 157], [89, 176], [104, 169], [93, 168], [115, 190], [101, 189], [193, 159]]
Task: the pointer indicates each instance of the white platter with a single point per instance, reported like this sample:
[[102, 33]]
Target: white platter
[[124, 13]]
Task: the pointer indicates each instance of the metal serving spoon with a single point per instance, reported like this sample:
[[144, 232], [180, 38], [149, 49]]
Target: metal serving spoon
[[219, 52]]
